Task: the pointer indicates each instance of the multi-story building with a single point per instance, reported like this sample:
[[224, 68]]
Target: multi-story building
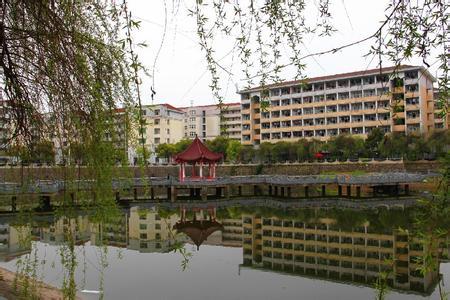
[[395, 99], [320, 248], [232, 232], [164, 124], [208, 122], [440, 122]]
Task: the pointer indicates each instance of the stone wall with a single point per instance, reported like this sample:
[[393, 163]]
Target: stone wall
[[17, 174]]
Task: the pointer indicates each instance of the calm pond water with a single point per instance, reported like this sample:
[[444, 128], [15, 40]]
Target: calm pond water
[[227, 253]]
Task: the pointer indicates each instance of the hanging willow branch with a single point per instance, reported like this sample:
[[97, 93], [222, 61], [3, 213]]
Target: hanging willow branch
[[410, 28], [64, 66]]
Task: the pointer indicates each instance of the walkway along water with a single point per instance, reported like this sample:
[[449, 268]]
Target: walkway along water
[[354, 187]]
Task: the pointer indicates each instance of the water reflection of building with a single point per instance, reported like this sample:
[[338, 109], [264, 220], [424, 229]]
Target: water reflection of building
[[58, 231], [149, 232], [232, 232], [322, 249], [14, 241], [114, 232]]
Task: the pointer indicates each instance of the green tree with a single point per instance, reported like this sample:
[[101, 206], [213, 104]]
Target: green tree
[[247, 154], [373, 140], [394, 145], [345, 146], [166, 151], [233, 150], [182, 145], [265, 152], [43, 151], [439, 142], [219, 145]]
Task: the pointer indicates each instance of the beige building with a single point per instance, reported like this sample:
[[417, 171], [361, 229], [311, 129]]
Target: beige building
[[57, 232], [322, 249], [149, 232], [164, 124], [439, 121], [206, 121], [349, 103]]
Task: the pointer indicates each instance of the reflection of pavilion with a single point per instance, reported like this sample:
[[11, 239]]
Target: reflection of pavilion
[[198, 230]]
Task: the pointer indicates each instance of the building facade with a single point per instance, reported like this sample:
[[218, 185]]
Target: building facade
[[440, 122], [395, 100], [207, 122], [163, 124], [321, 249]]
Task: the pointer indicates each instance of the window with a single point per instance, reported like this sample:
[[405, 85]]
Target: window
[[142, 226], [411, 88], [412, 101], [143, 236], [156, 131]]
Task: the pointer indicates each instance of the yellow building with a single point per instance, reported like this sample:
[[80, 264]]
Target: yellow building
[[322, 249], [149, 232], [440, 122], [164, 124], [351, 103]]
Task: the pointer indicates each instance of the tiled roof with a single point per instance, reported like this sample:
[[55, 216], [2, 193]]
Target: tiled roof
[[211, 105], [336, 76]]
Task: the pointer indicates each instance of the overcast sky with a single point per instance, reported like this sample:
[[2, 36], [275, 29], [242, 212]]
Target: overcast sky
[[180, 74]]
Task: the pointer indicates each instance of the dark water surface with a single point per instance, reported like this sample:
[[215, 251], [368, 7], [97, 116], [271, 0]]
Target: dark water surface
[[257, 253]]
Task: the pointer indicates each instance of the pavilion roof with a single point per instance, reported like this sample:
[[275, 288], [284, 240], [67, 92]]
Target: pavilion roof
[[198, 231], [197, 152]]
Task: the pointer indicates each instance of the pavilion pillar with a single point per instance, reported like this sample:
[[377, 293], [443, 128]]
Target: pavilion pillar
[[201, 170], [180, 172], [193, 170], [349, 191]]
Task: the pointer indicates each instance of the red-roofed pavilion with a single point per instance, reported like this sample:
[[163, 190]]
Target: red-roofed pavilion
[[197, 153]]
